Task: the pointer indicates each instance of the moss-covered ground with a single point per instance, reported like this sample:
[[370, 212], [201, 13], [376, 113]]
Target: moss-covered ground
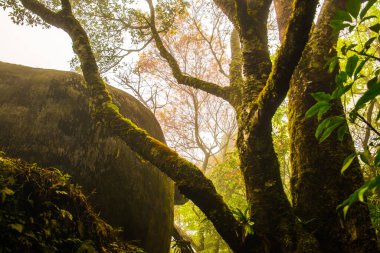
[[42, 211]]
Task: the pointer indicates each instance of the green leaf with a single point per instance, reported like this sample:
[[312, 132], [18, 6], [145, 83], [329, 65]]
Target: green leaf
[[347, 162], [361, 193], [16, 226], [334, 123], [341, 77], [338, 92], [321, 96], [376, 161], [341, 132], [352, 61], [360, 67], [370, 94], [367, 18], [345, 210], [365, 156], [322, 127], [375, 28], [366, 8], [338, 25], [333, 62], [315, 108], [342, 16], [322, 111], [368, 43], [371, 83], [353, 7]]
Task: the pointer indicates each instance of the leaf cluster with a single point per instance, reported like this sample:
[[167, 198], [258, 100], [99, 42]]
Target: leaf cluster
[[359, 65]]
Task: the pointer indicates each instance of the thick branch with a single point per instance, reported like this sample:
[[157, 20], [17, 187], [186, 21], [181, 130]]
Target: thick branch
[[252, 16], [284, 10], [290, 52], [190, 180], [228, 8], [212, 88]]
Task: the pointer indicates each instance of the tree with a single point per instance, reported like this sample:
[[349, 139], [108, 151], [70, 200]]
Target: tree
[[255, 98]]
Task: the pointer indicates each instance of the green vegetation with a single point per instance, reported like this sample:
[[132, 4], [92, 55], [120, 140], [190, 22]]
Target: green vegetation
[[42, 211], [358, 85]]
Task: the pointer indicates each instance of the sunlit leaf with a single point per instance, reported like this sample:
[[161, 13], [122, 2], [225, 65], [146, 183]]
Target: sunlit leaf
[[364, 11], [17, 226], [347, 162]]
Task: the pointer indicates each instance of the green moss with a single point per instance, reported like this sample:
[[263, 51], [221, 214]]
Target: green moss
[[41, 211]]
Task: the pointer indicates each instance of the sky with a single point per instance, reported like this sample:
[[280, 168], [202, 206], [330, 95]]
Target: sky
[[34, 46]]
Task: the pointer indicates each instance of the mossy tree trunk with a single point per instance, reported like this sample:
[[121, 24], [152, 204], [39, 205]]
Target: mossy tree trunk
[[317, 184]]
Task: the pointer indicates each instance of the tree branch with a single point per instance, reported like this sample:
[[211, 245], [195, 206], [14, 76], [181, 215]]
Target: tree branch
[[190, 180], [212, 88], [228, 8], [290, 53]]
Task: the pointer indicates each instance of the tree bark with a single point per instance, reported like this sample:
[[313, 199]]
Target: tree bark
[[317, 184]]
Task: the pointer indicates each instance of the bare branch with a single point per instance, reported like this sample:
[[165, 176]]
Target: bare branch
[[214, 89]]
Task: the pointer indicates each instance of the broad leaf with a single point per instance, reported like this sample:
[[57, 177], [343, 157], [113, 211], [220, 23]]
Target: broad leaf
[[321, 96], [315, 108], [371, 93], [353, 7], [375, 28], [322, 127], [342, 16], [341, 132], [366, 8], [352, 61]]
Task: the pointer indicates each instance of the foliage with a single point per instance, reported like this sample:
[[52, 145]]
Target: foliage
[[41, 211], [359, 58], [229, 183]]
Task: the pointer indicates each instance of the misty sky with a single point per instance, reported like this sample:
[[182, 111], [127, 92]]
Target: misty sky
[[34, 46]]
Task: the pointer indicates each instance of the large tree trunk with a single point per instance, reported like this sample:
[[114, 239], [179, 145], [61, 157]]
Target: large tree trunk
[[317, 184]]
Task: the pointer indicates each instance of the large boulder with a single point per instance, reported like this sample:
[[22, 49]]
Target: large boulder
[[45, 118]]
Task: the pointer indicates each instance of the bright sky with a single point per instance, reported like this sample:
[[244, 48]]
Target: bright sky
[[34, 46]]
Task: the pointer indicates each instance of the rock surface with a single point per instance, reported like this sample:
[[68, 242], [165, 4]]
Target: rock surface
[[45, 118]]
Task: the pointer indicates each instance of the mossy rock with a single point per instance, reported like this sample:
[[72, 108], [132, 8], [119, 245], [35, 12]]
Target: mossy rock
[[45, 119], [42, 211]]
